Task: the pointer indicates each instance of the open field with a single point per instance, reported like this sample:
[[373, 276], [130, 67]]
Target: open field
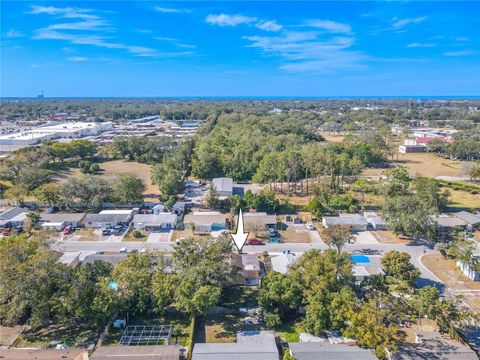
[[446, 271], [114, 168], [423, 164], [463, 200]]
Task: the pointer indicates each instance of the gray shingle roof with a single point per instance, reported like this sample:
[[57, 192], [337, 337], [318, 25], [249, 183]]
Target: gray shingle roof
[[107, 218], [433, 347], [347, 219], [170, 352], [152, 219], [327, 351], [468, 217], [60, 217]]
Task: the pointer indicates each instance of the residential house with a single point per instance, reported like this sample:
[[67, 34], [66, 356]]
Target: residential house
[[355, 222], [112, 259], [255, 221], [206, 221], [144, 352], [468, 270], [70, 258], [250, 345], [448, 224], [15, 216], [59, 221], [432, 346], [43, 354], [249, 265], [108, 219], [407, 149], [374, 221], [281, 262], [327, 351], [223, 186], [155, 222], [365, 266], [472, 220]]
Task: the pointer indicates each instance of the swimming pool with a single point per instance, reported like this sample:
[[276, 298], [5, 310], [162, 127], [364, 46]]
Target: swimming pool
[[360, 259]]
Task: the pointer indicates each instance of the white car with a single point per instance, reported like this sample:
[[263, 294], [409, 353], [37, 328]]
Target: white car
[[310, 226], [123, 250]]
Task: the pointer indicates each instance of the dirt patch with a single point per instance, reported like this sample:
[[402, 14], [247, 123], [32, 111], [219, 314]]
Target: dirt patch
[[423, 164], [113, 169], [332, 137], [8, 334], [388, 237], [294, 236], [476, 235], [83, 234], [447, 272]]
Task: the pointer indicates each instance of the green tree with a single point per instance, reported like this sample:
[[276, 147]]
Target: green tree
[[49, 193], [129, 189], [211, 200], [397, 265], [431, 195], [133, 276], [367, 322], [337, 236], [407, 215], [89, 191], [398, 181], [30, 279], [279, 295]]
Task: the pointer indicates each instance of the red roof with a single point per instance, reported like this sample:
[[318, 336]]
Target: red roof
[[426, 140]]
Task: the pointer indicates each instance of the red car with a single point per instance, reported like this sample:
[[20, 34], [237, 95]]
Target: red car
[[67, 230], [254, 242]]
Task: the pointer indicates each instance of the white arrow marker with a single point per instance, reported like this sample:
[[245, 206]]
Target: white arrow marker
[[240, 237]]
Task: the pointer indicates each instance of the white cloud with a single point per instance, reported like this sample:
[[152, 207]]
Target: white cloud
[[81, 25], [143, 31], [77, 58], [269, 25], [94, 40], [169, 10], [163, 38], [12, 33], [457, 53], [421, 45], [304, 51], [400, 23], [68, 12], [330, 26], [229, 20]]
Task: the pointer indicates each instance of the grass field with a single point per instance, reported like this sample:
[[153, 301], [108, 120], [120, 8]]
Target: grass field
[[114, 168], [423, 164]]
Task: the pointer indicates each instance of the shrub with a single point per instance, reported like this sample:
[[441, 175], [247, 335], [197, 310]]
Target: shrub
[[137, 234]]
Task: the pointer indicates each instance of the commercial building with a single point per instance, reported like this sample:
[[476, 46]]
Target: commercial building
[[67, 130]]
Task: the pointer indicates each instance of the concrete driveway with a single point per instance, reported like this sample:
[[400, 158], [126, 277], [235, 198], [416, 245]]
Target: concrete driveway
[[159, 237], [365, 238]]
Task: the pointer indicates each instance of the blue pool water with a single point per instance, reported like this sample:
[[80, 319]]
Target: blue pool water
[[360, 259]]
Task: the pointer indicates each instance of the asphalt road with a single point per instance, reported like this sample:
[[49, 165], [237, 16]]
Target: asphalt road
[[415, 251]]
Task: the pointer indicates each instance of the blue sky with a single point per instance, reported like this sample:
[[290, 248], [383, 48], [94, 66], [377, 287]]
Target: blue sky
[[287, 48]]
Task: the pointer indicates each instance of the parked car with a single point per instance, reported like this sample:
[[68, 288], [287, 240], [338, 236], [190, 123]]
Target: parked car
[[310, 226], [134, 251], [67, 230], [123, 250], [106, 232], [254, 242]]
